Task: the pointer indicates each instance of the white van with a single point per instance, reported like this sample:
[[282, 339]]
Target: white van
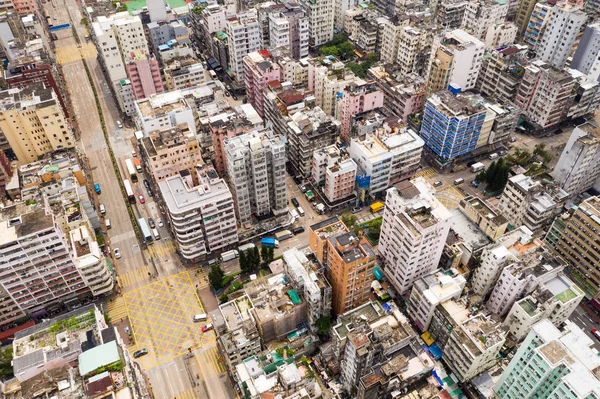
[[119, 124], [459, 181], [155, 233], [300, 211], [102, 209], [199, 317], [108, 225]]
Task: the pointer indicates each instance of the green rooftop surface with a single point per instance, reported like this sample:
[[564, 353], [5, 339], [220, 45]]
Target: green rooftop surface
[[100, 356], [528, 306], [137, 5], [566, 295]]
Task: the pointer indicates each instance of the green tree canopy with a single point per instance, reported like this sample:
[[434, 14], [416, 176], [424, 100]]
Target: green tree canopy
[[323, 324], [215, 276], [349, 219]]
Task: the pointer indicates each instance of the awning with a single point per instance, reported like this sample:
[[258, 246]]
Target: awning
[[378, 273], [294, 297], [435, 351]]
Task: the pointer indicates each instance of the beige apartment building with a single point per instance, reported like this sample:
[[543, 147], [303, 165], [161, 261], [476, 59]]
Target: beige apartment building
[[169, 151], [33, 122]]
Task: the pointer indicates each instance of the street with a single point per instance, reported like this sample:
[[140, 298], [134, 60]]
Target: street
[[586, 322]]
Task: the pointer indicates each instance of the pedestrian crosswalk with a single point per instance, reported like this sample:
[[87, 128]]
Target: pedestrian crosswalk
[[428, 173], [162, 248], [188, 394], [212, 362], [199, 278], [116, 309], [134, 276]]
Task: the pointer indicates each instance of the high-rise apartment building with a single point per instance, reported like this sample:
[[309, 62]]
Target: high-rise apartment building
[[561, 33], [499, 77], [183, 73], [320, 20], [256, 169], [116, 37], [455, 59], [545, 94], [289, 28], [387, 157], [144, 74], [481, 15], [202, 217], [531, 203], [356, 99], [259, 70], [536, 25], [402, 98], [243, 36], [578, 245], [168, 151], [552, 364], [413, 233], [349, 263], [33, 122], [578, 168], [38, 268], [452, 125], [523, 14], [340, 180]]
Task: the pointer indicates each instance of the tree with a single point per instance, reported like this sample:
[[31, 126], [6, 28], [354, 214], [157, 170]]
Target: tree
[[323, 324], [243, 261], [280, 351], [271, 254], [289, 352], [372, 57], [375, 227], [346, 50], [349, 219], [255, 263], [540, 150], [264, 254], [520, 157], [215, 276], [480, 177], [490, 173], [500, 180], [6, 357], [329, 50]]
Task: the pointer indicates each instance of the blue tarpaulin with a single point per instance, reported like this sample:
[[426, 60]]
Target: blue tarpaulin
[[386, 307], [378, 273]]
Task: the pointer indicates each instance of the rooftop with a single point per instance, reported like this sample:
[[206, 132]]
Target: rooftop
[[365, 313], [16, 223]]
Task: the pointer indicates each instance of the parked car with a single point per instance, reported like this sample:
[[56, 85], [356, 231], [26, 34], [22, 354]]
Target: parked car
[[146, 183], [207, 327], [227, 94], [303, 188], [140, 353], [437, 183], [298, 230], [151, 223], [475, 184], [160, 223], [149, 191], [117, 253], [295, 202], [119, 124], [356, 209], [142, 199]]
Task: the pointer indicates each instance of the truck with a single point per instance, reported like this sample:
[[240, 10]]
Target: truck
[[294, 214], [229, 255], [493, 156], [377, 206], [138, 164], [246, 247], [477, 167], [320, 208], [270, 242], [97, 188], [283, 235]]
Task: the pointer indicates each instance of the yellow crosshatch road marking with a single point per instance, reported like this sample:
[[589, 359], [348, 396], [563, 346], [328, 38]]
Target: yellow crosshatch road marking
[[427, 173], [212, 358], [189, 394], [71, 53], [132, 277], [161, 315], [163, 248], [116, 309]]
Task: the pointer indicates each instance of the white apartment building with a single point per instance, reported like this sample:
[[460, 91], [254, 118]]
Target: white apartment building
[[339, 11], [90, 261], [157, 10], [202, 217], [561, 32], [320, 20], [585, 59], [552, 364], [532, 203], [243, 38], [578, 166], [290, 29], [37, 268], [413, 234], [521, 278], [411, 43], [165, 110], [322, 160], [125, 97], [256, 168], [500, 35], [554, 300], [116, 37], [428, 292], [466, 52], [505, 251], [327, 85], [388, 159], [340, 180], [180, 75], [481, 15], [389, 40]]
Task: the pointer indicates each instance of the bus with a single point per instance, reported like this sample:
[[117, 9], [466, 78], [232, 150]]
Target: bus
[[131, 170], [129, 191], [145, 230]]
